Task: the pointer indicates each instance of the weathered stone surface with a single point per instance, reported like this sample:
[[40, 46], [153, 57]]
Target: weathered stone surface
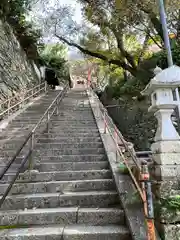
[[59, 176], [165, 188], [17, 73], [41, 233], [60, 186], [166, 147], [95, 233], [133, 211], [72, 186], [101, 216], [169, 216], [39, 216], [171, 232], [166, 158], [165, 172]]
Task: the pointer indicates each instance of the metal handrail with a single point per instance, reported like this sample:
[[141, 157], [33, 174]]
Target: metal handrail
[[31, 136], [33, 92], [144, 188], [17, 94]]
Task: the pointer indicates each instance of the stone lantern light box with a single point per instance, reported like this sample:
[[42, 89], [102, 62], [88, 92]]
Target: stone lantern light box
[[161, 88]]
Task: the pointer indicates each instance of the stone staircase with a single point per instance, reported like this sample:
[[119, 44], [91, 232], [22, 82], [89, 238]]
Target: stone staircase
[[70, 194]]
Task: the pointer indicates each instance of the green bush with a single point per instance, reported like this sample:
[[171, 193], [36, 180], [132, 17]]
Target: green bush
[[13, 11], [162, 57]]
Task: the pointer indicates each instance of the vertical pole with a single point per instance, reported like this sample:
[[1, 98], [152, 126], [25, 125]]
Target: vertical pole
[[165, 32], [39, 89], [149, 211], [31, 164], [48, 118], [116, 139], [9, 102], [167, 43], [45, 87], [57, 107], [89, 77], [105, 121]]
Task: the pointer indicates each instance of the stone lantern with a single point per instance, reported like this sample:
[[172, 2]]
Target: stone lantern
[[161, 89], [166, 146]]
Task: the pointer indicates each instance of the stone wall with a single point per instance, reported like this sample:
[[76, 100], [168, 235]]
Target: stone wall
[[133, 120], [16, 72]]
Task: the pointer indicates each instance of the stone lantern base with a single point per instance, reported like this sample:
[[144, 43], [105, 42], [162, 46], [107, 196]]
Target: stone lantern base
[[166, 185]]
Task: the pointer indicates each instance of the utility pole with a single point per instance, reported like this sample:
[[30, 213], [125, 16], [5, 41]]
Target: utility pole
[[165, 32], [167, 44]]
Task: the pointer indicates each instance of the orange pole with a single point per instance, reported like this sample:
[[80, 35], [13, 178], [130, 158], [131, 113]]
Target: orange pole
[[148, 204]]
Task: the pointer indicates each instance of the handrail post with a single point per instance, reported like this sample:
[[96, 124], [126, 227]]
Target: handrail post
[[32, 93], [116, 139], [31, 148], [9, 103], [105, 125], [39, 89], [148, 201], [57, 108], [45, 87], [48, 118]]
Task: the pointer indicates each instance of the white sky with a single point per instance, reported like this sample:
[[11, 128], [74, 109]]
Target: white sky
[[77, 16], [76, 6]]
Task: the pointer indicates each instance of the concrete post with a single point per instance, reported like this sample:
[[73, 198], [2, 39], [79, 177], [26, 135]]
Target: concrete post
[[166, 147]]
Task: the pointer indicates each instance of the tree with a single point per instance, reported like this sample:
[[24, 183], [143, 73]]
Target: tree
[[54, 56], [14, 12], [108, 26]]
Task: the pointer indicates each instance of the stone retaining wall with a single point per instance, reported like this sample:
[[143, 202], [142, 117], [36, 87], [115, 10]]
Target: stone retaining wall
[[16, 72]]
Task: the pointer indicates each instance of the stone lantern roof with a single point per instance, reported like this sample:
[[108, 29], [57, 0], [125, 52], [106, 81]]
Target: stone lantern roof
[[167, 78]]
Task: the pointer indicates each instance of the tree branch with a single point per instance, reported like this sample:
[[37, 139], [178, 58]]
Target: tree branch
[[154, 20], [98, 55]]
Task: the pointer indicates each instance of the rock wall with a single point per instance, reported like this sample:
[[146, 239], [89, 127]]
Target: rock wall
[[16, 71], [133, 120]]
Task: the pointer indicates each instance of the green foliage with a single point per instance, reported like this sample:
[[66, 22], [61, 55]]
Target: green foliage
[[123, 169], [172, 203], [162, 57], [14, 11], [53, 55]]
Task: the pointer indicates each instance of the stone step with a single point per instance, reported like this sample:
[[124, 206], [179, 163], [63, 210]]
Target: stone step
[[26, 118], [69, 134], [62, 158], [75, 110], [68, 140], [24, 124], [69, 130], [39, 107], [53, 152], [74, 126], [69, 146], [56, 122], [54, 145], [69, 199], [63, 121], [70, 151], [72, 118], [62, 166], [70, 215], [60, 186], [72, 232], [36, 176]]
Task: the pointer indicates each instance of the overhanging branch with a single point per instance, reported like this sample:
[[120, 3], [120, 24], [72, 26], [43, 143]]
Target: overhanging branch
[[97, 55]]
